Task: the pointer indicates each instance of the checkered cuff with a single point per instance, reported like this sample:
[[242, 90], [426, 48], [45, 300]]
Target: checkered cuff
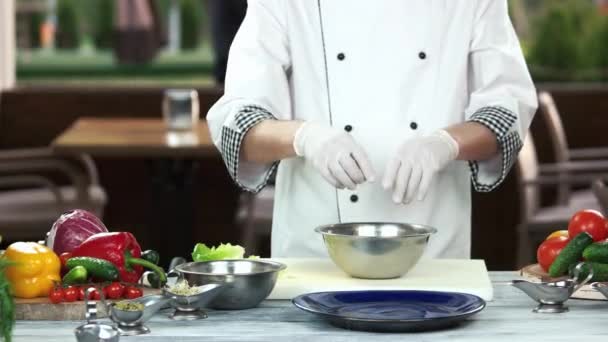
[[501, 121], [232, 137]]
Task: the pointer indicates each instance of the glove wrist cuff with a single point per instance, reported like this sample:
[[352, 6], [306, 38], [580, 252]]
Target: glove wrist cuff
[[299, 139], [450, 142]]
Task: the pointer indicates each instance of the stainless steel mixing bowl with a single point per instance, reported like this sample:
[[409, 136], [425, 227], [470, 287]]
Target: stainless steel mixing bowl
[[248, 282], [375, 250]]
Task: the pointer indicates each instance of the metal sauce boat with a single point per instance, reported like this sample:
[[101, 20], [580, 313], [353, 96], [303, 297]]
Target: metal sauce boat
[[129, 323], [551, 296], [186, 308]]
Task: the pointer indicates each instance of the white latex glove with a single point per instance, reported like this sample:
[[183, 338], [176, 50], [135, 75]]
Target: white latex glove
[[335, 154], [411, 170]]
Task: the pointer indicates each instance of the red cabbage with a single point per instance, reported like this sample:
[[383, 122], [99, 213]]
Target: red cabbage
[[71, 229]]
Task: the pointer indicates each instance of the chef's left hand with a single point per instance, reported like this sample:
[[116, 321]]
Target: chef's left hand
[[411, 170]]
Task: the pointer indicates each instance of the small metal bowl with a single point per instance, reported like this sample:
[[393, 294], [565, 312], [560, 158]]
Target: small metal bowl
[[247, 282], [375, 250], [125, 317], [189, 307], [193, 302]]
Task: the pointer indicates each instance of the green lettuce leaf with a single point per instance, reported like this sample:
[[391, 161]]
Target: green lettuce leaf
[[223, 251]]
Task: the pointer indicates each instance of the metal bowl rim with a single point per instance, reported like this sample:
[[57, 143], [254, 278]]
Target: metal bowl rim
[[126, 311], [129, 322], [430, 230], [279, 267]]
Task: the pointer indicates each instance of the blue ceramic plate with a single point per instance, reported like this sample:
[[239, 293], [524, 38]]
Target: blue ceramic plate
[[391, 311]]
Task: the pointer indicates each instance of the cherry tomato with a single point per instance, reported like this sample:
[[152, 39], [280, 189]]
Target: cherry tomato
[[56, 296], [132, 292], [558, 233], [590, 221], [93, 295], [113, 291], [549, 250], [80, 293], [70, 294], [63, 258]]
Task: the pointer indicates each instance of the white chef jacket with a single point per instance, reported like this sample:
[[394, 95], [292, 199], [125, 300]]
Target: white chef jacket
[[385, 71]]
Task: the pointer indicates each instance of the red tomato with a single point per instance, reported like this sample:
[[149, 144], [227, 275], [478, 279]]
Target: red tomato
[[93, 295], [113, 291], [132, 292], [549, 249], [64, 257], [81, 293], [589, 221], [70, 294], [56, 296]]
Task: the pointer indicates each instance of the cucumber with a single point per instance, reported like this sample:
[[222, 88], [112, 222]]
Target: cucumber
[[98, 268], [597, 252], [76, 275], [600, 271], [570, 255]]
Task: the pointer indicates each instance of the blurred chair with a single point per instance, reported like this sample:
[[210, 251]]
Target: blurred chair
[[30, 197], [255, 217], [567, 160], [601, 192], [537, 221], [573, 169]]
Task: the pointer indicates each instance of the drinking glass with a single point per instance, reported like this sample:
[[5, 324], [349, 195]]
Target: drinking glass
[[180, 109]]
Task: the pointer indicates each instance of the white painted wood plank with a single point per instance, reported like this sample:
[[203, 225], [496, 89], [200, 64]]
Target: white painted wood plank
[[7, 44], [507, 318]]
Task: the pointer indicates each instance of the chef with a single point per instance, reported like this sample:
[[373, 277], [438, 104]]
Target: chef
[[380, 110]]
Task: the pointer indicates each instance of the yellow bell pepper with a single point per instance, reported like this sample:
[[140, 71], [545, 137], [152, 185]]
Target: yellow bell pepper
[[36, 269]]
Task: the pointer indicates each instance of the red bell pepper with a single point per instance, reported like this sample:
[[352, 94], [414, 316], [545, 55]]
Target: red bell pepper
[[121, 249]]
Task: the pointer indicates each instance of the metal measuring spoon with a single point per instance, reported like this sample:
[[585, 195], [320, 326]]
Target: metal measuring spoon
[[93, 331]]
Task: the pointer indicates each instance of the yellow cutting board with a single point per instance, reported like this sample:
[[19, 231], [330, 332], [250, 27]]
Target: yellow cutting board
[[315, 275]]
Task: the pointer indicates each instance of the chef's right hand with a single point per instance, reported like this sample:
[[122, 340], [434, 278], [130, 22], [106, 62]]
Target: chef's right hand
[[335, 154]]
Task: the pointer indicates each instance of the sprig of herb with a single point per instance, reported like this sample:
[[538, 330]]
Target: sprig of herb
[[7, 304]]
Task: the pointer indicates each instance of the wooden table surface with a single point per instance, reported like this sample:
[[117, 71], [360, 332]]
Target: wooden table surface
[[508, 318], [120, 137]]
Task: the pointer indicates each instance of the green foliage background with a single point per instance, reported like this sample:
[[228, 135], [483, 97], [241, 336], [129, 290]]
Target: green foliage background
[[95, 18], [569, 43], [191, 14], [68, 25], [564, 40]]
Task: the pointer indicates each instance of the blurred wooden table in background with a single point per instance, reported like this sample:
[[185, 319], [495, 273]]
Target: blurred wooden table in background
[[172, 157], [142, 137]]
